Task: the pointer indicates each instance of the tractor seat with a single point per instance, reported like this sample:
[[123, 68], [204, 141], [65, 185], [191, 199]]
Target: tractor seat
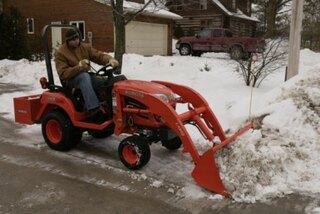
[[75, 95]]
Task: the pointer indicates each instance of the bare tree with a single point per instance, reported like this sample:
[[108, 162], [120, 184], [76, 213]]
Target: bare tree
[[122, 17], [255, 71]]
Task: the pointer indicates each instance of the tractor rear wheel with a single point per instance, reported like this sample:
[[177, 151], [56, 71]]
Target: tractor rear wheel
[[134, 152], [59, 133], [172, 144]]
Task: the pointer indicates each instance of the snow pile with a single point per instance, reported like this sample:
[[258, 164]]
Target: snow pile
[[281, 156]]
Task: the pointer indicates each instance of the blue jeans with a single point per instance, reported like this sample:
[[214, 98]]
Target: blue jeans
[[89, 86]]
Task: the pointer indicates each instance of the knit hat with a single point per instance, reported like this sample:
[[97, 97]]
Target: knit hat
[[71, 34]]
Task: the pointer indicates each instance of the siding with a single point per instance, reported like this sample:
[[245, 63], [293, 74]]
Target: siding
[[44, 12]]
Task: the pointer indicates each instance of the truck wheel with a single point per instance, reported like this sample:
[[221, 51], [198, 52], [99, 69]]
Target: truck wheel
[[134, 152], [102, 134], [59, 133], [236, 53], [172, 144], [185, 50]]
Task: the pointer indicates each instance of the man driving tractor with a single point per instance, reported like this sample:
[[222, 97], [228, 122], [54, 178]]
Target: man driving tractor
[[72, 61]]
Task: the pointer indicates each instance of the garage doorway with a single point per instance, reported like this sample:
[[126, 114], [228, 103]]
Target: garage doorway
[[146, 38]]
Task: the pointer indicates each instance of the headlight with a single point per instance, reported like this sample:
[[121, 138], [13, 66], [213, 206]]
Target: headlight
[[163, 97]]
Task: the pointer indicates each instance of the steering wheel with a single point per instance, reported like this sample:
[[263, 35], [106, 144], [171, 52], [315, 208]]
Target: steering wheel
[[106, 71]]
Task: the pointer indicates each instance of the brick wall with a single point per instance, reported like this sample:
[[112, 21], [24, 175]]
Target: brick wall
[[98, 18]]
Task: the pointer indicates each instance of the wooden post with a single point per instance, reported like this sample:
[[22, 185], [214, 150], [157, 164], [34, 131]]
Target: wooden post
[[295, 38]]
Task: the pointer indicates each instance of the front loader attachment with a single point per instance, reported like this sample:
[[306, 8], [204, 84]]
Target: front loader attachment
[[162, 113]]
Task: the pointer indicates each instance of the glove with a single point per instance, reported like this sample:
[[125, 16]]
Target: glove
[[84, 65], [114, 63]]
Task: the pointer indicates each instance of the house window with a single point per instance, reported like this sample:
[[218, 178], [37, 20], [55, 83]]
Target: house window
[[234, 4], [203, 4], [30, 25], [81, 26]]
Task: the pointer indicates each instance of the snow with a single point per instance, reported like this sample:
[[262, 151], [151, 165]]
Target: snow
[[158, 10], [238, 14], [279, 157]]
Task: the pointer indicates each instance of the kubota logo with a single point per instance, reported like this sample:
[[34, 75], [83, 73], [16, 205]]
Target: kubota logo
[[134, 93], [52, 99]]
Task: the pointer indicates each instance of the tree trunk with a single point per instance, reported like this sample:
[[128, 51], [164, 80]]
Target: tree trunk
[[119, 32], [271, 18]]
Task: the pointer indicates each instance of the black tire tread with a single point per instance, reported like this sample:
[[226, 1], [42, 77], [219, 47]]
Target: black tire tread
[[71, 135], [144, 148]]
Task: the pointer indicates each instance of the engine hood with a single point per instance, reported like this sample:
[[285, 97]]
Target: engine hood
[[144, 87]]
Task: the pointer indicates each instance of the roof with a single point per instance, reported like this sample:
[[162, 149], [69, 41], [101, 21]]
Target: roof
[[238, 14], [150, 10]]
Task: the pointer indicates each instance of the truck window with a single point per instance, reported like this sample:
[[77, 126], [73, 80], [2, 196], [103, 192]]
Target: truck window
[[227, 33], [204, 33], [217, 33]]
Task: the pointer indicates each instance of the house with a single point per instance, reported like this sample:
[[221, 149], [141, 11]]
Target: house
[[148, 34], [199, 14]]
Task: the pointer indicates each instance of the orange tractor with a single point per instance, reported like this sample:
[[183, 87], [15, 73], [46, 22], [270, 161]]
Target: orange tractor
[[144, 110]]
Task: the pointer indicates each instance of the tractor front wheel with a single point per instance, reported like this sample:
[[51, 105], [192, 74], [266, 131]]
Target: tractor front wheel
[[59, 133], [172, 144], [134, 152]]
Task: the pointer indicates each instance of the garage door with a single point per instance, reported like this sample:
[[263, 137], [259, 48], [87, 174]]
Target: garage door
[[146, 38]]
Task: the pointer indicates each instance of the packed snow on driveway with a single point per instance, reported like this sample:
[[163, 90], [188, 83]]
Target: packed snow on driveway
[[279, 157]]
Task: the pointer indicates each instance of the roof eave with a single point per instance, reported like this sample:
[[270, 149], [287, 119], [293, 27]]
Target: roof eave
[[154, 14], [228, 13]]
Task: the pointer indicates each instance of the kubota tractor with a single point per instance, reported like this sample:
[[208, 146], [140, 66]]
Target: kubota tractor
[[144, 110]]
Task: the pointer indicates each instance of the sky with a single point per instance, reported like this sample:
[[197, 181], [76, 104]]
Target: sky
[[279, 157]]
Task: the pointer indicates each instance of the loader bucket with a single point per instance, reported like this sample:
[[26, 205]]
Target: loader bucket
[[207, 175]]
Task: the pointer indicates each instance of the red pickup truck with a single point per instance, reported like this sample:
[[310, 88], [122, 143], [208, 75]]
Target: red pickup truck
[[220, 40]]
